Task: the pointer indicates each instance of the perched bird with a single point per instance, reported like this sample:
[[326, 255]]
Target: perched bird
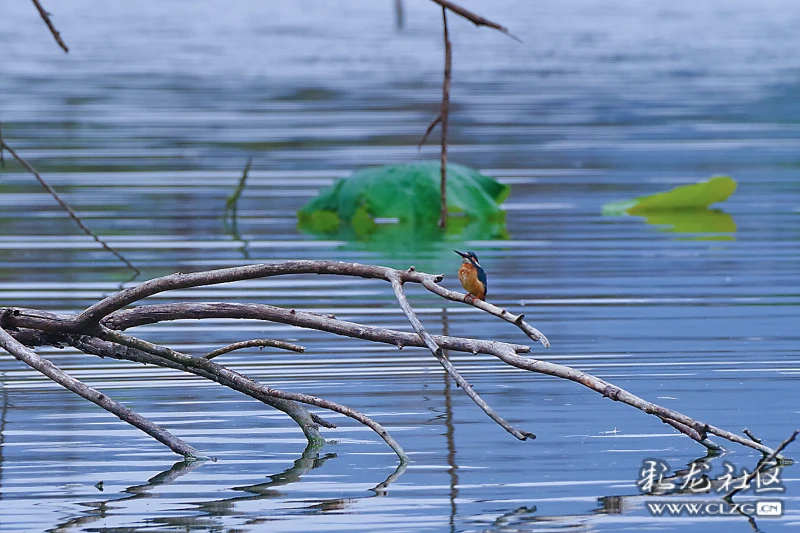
[[472, 276]]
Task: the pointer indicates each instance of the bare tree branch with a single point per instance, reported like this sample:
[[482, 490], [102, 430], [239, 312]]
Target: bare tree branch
[[432, 125], [475, 19], [261, 343], [445, 118], [32, 359], [151, 314], [46, 18], [242, 383], [33, 326], [96, 312], [308, 422], [65, 206]]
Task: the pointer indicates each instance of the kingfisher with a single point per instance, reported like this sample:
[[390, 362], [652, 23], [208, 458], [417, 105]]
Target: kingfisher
[[472, 276]]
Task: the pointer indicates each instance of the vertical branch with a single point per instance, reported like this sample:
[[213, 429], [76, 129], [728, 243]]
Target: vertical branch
[[232, 202], [46, 18], [2, 157], [445, 116]]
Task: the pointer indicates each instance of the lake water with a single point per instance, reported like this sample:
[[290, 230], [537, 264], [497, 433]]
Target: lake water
[[145, 126]]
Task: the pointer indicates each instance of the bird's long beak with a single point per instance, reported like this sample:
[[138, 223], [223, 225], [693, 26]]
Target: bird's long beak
[[459, 253]]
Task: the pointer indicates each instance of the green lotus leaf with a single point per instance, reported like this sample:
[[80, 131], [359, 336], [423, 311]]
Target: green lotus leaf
[[695, 196], [407, 195]]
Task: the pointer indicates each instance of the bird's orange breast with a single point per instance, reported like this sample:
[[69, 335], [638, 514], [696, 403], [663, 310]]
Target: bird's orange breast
[[468, 276]]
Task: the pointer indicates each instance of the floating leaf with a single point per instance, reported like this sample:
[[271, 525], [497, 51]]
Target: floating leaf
[[695, 196], [406, 195]]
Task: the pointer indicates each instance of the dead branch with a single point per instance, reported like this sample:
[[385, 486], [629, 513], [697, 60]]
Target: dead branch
[[444, 114], [308, 422], [97, 330], [65, 206], [443, 118], [428, 131], [243, 384], [46, 18], [260, 343], [474, 18]]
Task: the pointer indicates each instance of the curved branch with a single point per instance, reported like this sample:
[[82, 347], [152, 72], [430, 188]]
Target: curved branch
[[32, 359], [308, 422], [259, 343], [92, 316], [151, 314]]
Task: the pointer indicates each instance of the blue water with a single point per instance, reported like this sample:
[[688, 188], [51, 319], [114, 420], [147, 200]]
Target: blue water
[[145, 126]]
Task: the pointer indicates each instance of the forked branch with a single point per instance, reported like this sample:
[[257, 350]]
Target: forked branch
[[98, 330]]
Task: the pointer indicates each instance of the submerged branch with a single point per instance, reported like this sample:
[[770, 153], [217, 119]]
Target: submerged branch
[[244, 384], [65, 206], [32, 359], [763, 465], [308, 422]]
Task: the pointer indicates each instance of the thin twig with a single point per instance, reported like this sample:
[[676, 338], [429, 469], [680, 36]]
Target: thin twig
[[32, 359], [436, 350], [775, 453], [46, 17], [260, 343], [475, 19], [232, 202], [432, 125], [445, 118], [2, 148], [65, 206]]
